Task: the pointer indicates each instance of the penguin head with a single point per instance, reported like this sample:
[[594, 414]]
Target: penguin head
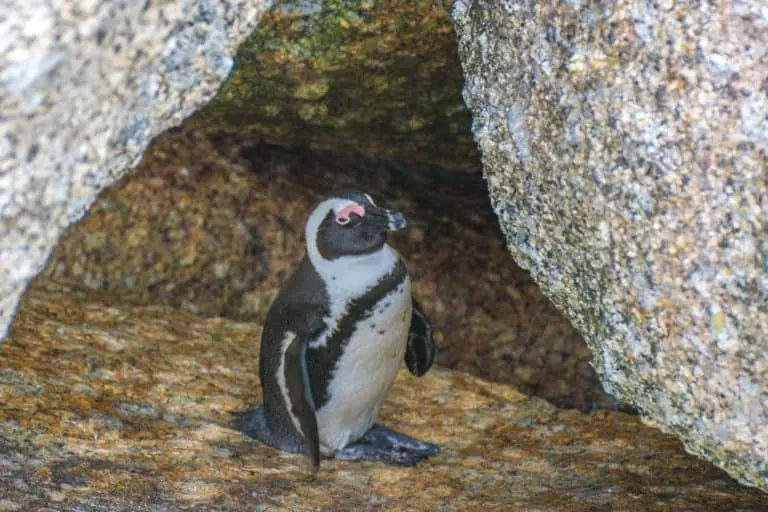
[[350, 224]]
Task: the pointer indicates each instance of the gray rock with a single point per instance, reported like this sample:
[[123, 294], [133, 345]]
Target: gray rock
[[83, 89], [625, 146]]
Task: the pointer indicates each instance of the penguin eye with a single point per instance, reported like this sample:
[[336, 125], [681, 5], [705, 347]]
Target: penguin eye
[[344, 217], [348, 220]]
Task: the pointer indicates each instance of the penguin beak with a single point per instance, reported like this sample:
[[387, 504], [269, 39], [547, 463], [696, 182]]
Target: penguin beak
[[395, 220]]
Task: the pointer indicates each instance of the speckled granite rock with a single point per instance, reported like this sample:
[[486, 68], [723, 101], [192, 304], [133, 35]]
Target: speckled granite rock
[[380, 77], [625, 146], [219, 223], [134, 415], [84, 86]]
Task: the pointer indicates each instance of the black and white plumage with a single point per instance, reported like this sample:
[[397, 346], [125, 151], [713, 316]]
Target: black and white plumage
[[335, 338]]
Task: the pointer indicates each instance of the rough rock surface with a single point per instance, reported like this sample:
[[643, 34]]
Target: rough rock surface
[[382, 78], [110, 407], [213, 225], [84, 86], [625, 145]]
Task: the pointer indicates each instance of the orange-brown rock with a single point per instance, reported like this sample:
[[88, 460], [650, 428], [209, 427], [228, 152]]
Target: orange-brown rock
[[105, 406]]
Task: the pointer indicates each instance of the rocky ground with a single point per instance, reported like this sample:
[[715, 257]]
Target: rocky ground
[[212, 225], [107, 406]]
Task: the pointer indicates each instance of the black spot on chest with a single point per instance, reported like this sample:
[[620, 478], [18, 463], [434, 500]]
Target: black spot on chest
[[322, 360]]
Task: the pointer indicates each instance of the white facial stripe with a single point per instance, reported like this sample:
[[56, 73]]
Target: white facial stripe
[[370, 199], [314, 221], [287, 340]]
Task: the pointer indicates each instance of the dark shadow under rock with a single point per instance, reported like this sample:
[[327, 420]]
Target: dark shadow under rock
[[212, 224]]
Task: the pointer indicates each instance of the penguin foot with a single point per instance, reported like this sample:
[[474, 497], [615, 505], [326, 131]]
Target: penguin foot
[[381, 444], [253, 423]]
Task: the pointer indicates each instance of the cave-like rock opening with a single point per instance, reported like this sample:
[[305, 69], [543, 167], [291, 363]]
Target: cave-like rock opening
[[217, 206], [140, 337]]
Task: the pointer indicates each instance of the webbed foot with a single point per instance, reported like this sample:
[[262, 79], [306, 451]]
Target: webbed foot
[[384, 445]]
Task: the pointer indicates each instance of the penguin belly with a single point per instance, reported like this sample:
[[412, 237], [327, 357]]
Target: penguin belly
[[365, 371]]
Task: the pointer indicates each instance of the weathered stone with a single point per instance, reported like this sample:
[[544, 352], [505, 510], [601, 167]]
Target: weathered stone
[[625, 145], [381, 78], [213, 226], [84, 86], [110, 407]]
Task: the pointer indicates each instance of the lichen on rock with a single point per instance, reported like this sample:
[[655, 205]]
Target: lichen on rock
[[382, 78]]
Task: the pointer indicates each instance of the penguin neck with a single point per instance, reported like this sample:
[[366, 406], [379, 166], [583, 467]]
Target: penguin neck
[[348, 277]]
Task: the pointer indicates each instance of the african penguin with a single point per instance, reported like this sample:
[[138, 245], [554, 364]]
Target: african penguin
[[335, 338]]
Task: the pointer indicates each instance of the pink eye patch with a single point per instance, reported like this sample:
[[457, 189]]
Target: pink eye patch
[[343, 216]]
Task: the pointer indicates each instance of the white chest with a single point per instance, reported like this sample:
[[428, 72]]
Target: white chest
[[366, 370]]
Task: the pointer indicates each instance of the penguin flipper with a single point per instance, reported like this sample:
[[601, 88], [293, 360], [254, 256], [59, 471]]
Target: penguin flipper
[[302, 406], [420, 352]]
